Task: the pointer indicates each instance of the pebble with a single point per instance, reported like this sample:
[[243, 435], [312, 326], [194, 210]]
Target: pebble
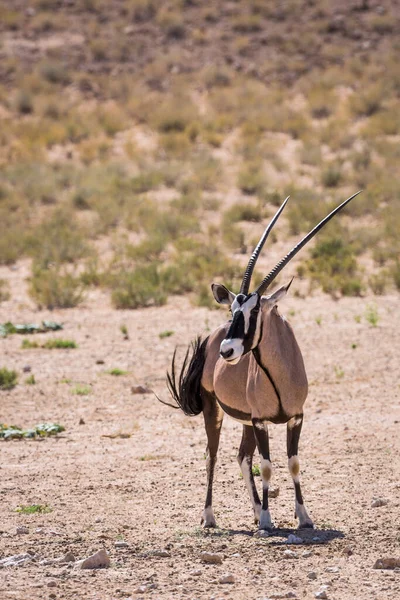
[[140, 590], [228, 578], [121, 545], [377, 502], [387, 563], [140, 389], [281, 595], [21, 530], [27, 369], [208, 557], [289, 554], [312, 575], [196, 573], [321, 595], [332, 570], [307, 553], [273, 492], [260, 533], [52, 583], [98, 560], [294, 539], [161, 553], [16, 560], [67, 558]]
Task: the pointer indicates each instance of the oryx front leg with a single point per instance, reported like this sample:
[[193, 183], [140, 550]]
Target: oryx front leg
[[260, 428], [213, 416], [293, 435], [245, 460]]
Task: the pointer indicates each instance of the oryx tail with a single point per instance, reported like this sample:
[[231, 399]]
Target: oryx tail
[[186, 390]]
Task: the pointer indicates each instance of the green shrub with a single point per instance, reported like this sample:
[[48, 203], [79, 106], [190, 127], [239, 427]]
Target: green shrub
[[59, 344], [333, 266], [24, 102], [367, 101], [139, 288], [54, 72], [8, 379], [53, 289], [331, 176], [4, 290], [251, 179], [378, 283]]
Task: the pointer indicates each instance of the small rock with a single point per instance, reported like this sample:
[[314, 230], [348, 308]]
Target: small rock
[[386, 563], [40, 530], [348, 551], [321, 595], [273, 492], [312, 575], [332, 570], [196, 573], [289, 554], [52, 583], [377, 502], [16, 560], [140, 590], [236, 555], [21, 530], [81, 421], [316, 539], [67, 558], [98, 520], [209, 557], [293, 539], [140, 389], [27, 369], [228, 578], [99, 560], [121, 545], [161, 553], [307, 553], [260, 533], [99, 361]]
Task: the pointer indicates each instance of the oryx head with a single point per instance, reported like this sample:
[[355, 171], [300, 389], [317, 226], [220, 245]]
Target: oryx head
[[247, 308]]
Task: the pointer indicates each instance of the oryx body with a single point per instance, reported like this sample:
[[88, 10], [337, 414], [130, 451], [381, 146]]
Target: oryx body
[[251, 369]]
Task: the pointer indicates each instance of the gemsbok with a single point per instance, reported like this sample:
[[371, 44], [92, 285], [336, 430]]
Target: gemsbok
[[251, 369]]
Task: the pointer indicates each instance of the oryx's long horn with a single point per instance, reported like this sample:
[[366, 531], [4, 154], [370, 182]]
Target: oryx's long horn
[[283, 262], [244, 288]]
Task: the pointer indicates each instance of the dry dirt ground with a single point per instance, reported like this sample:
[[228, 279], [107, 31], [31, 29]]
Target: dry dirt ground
[[148, 489]]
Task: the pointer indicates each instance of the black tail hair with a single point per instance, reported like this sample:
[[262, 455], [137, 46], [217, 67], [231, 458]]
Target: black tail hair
[[186, 391]]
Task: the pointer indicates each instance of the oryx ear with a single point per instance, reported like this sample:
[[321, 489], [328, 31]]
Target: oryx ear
[[222, 294], [279, 294]]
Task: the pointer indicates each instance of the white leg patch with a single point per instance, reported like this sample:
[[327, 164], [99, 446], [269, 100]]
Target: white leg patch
[[265, 520], [208, 517]]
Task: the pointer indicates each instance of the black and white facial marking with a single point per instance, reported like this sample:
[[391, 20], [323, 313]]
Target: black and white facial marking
[[244, 332]]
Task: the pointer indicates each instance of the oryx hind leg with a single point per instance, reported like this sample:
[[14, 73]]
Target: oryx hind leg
[[260, 429], [213, 416], [245, 460], [293, 435]]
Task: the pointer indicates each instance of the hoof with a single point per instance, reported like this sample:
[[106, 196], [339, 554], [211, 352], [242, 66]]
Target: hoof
[[210, 525], [208, 519], [306, 525]]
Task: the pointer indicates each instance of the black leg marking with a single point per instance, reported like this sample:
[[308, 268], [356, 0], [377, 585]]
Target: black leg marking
[[245, 460], [293, 436], [261, 434]]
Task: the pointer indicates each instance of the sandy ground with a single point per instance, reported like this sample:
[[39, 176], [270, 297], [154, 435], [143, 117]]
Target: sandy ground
[[148, 489]]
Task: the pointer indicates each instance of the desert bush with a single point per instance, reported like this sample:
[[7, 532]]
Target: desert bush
[[23, 102], [146, 181], [333, 266], [55, 242], [385, 122], [367, 101], [172, 24], [378, 283], [305, 209], [143, 10], [139, 288], [4, 290], [8, 379], [53, 288], [54, 72], [247, 23], [322, 101], [331, 175], [251, 179]]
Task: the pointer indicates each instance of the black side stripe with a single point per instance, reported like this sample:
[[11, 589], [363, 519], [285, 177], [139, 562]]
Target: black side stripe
[[256, 354]]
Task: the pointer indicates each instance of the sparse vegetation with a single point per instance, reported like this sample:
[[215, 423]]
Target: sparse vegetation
[[58, 343], [147, 152], [372, 315], [81, 390], [33, 509], [117, 372], [8, 379]]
